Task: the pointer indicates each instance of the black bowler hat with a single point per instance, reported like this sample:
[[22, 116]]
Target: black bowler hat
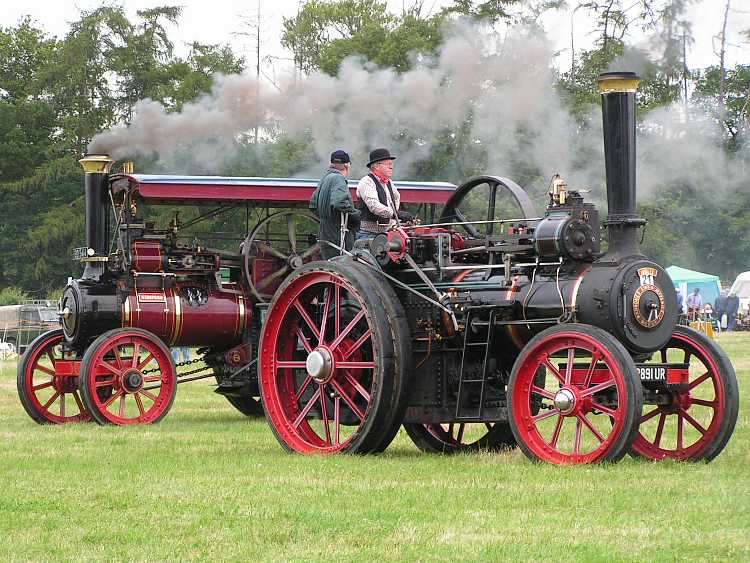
[[340, 157], [379, 154]]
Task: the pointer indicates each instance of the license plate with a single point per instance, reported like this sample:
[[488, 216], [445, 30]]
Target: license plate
[[80, 253], [652, 372]]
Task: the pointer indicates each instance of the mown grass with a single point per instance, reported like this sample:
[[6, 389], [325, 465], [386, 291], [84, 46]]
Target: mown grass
[[208, 484]]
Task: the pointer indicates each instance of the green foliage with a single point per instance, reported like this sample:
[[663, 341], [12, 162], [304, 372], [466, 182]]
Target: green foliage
[[41, 223], [323, 34], [705, 231], [319, 23], [578, 87], [26, 130], [25, 52], [27, 116], [78, 78], [735, 115], [12, 296], [491, 10], [55, 95], [139, 57], [194, 76]]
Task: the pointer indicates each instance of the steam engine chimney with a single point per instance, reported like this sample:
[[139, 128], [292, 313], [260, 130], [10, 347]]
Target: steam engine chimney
[[618, 112], [96, 168]]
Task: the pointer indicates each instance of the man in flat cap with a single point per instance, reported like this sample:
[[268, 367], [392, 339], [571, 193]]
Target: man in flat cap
[[379, 198], [332, 204]]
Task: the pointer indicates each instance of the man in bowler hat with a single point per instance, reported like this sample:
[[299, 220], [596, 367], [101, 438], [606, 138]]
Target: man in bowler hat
[[332, 204], [379, 198]]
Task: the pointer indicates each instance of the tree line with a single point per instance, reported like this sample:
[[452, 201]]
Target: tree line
[[57, 93]]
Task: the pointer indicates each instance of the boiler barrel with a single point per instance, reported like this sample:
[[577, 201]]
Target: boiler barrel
[[178, 318]]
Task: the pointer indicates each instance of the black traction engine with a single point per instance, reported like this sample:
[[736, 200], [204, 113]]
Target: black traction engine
[[486, 332]]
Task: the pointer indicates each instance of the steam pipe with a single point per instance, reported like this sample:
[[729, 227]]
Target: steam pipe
[[618, 91], [96, 168]]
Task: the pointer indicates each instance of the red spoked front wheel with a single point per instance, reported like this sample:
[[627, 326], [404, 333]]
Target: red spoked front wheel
[[128, 377], [48, 393], [457, 437], [587, 409], [692, 420], [327, 362]]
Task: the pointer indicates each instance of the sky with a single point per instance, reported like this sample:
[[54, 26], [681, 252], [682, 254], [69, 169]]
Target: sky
[[221, 21]]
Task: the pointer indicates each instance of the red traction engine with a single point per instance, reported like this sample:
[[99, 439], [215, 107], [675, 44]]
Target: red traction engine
[[111, 361], [145, 289], [480, 332]]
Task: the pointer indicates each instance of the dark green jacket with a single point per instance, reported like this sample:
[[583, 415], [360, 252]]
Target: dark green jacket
[[329, 200]]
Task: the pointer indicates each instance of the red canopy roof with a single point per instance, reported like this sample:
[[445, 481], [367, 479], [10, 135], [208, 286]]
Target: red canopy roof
[[288, 192]]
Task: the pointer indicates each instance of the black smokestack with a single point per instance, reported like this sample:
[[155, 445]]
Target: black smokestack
[[618, 113], [96, 168]]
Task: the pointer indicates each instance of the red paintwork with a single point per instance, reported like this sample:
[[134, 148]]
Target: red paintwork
[[397, 238], [545, 447], [264, 267], [221, 319], [686, 408], [239, 355], [285, 344], [72, 368], [678, 376], [578, 374], [457, 241], [56, 387], [147, 256], [289, 191], [113, 361]]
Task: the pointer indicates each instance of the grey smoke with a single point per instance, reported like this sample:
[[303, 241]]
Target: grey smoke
[[504, 82]]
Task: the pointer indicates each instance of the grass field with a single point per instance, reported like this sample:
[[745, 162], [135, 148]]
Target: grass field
[[208, 484]]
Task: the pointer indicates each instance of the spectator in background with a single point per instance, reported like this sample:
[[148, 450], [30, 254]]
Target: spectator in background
[[680, 302], [708, 314], [178, 351], [720, 308], [694, 304], [733, 305]]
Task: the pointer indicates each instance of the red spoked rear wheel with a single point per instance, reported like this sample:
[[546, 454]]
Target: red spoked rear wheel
[[696, 419], [587, 409], [457, 437], [136, 371], [47, 395], [327, 362]]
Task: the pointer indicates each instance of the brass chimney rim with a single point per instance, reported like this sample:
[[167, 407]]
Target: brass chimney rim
[[618, 82], [96, 163]]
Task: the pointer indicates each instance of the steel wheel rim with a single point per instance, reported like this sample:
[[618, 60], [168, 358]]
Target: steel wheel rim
[[677, 416], [585, 402], [291, 394], [56, 388], [139, 378]]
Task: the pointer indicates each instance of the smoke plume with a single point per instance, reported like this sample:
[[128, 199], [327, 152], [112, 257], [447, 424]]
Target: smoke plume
[[496, 91]]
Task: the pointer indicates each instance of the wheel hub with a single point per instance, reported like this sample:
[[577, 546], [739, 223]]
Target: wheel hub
[[295, 262], [132, 381], [565, 400], [319, 365], [65, 383], [682, 401]]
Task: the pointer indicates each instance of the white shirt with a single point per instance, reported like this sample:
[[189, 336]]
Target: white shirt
[[368, 193]]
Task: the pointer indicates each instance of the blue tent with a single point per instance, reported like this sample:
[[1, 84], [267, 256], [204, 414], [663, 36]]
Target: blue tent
[[687, 280]]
